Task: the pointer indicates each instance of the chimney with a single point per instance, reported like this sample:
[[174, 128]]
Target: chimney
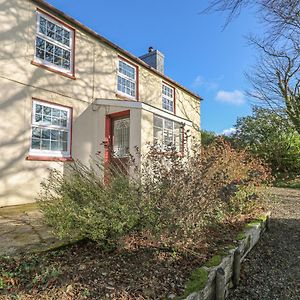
[[155, 59]]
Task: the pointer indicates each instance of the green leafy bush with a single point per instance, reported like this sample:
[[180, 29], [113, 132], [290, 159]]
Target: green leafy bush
[[173, 197], [79, 204]]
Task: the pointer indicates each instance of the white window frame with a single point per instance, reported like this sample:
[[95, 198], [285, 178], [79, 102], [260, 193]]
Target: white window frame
[[168, 97], [55, 43], [51, 153], [162, 146], [119, 74]]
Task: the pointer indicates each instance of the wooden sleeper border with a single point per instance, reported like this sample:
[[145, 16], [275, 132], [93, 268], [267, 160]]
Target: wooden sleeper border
[[220, 273]]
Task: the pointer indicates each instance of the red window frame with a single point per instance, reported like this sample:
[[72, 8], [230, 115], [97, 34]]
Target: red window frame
[[53, 158]]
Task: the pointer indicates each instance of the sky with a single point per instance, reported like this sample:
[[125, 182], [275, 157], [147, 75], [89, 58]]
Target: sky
[[198, 53]]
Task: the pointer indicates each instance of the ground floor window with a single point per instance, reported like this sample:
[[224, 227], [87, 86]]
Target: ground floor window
[[167, 134], [50, 130]]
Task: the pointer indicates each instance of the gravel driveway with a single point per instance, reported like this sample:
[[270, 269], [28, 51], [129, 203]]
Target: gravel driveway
[[272, 270]]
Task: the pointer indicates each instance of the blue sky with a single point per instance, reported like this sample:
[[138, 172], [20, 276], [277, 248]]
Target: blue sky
[[198, 54]]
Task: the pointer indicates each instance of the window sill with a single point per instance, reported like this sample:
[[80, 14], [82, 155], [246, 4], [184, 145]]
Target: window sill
[[52, 70], [49, 158], [125, 97]]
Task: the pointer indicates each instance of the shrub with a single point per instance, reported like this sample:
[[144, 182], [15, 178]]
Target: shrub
[[189, 193], [174, 198], [79, 204]]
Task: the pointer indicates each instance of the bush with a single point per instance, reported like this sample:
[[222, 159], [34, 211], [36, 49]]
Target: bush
[[79, 204], [174, 198], [189, 193]]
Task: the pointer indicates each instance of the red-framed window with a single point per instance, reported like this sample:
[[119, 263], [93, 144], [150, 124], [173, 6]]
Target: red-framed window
[[127, 79], [51, 130], [168, 97], [54, 44]]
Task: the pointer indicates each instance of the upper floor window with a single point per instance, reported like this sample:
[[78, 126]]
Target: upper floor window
[[167, 134], [54, 44], [50, 130], [167, 97], [127, 79]]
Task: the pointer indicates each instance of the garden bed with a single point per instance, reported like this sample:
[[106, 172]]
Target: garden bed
[[140, 270]]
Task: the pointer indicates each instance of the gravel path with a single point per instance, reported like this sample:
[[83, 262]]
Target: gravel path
[[272, 270]]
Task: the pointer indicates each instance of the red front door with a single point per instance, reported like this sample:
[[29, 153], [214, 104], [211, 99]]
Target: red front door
[[117, 135]]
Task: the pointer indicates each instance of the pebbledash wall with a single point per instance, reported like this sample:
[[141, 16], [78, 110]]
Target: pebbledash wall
[[95, 75]]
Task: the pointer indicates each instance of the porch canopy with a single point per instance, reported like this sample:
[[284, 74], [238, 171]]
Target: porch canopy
[[127, 104]]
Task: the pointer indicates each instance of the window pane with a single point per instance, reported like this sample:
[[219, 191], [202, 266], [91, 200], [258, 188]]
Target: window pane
[[49, 47], [40, 43], [158, 122], [46, 134], [35, 144], [58, 51], [55, 135], [126, 86], [158, 134], [126, 69], [40, 53], [36, 132], [55, 146], [66, 64], [64, 146], [63, 123], [121, 137], [38, 108], [43, 21], [168, 124], [63, 114], [45, 144], [38, 118], [55, 112], [64, 136], [57, 60], [47, 110], [47, 120]]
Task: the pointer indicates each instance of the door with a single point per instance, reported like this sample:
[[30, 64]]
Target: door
[[120, 129]]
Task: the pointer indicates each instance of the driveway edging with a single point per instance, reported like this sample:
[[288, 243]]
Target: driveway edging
[[217, 286]]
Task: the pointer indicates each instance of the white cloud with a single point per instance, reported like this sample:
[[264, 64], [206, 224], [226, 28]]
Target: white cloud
[[201, 82], [229, 131], [236, 97]]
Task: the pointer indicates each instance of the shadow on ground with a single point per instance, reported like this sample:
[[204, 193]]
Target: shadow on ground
[[22, 230]]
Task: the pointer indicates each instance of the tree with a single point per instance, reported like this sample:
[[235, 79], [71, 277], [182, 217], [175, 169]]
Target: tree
[[276, 77], [207, 137], [270, 136], [275, 81]]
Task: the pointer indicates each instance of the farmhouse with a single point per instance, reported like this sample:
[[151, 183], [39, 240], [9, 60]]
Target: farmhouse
[[68, 93]]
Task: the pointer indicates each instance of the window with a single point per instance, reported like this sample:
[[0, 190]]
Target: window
[[50, 130], [127, 79], [167, 134], [121, 131], [54, 44], [167, 98]]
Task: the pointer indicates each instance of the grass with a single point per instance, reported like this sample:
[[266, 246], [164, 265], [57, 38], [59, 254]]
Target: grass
[[287, 181], [214, 261], [196, 282], [290, 185]]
